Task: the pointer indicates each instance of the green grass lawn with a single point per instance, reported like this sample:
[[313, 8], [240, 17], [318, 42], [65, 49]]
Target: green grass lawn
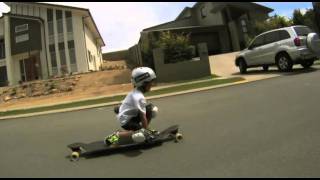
[[121, 97]]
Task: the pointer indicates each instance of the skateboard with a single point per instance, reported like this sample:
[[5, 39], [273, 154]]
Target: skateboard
[[85, 150]]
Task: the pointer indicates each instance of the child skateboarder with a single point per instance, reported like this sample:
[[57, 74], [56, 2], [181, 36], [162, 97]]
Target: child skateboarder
[[134, 114]]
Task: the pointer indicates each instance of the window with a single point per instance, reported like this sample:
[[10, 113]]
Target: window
[[53, 55], [271, 37], [257, 42], [302, 31], [2, 49], [30, 10], [62, 53], [49, 15], [59, 21], [50, 21], [203, 12], [22, 38], [69, 21], [283, 35], [22, 70], [72, 53], [89, 54], [20, 28], [244, 26], [58, 14]]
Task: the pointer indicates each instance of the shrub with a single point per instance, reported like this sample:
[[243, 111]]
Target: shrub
[[176, 47]]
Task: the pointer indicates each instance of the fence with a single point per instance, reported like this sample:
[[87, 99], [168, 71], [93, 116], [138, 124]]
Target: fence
[[185, 70], [134, 57]]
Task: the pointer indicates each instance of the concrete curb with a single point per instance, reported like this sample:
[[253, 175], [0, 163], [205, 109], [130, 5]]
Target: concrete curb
[[118, 102]]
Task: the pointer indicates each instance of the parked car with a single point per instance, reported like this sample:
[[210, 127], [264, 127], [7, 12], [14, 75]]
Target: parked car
[[282, 47]]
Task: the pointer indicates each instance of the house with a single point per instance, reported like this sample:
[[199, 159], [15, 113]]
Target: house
[[39, 40], [223, 26]]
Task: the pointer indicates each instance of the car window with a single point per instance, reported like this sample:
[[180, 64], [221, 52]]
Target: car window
[[271, 37], [302, 31], [257, 42], [284, 35]]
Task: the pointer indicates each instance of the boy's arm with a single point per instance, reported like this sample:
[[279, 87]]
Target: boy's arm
[[143, 118]]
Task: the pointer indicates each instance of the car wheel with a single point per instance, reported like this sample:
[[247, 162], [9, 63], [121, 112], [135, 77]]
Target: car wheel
[[242, 66], [284, 62], [265, 67], [307, 64]]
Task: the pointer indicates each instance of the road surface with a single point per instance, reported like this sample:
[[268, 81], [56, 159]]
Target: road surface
[[269, 128]]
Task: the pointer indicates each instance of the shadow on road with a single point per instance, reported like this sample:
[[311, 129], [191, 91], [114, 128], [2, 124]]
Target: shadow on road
[[129, 152], [295, 71]]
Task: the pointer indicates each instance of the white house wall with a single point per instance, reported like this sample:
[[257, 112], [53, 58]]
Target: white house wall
[[94, 64], [79, 44], [83, 38]]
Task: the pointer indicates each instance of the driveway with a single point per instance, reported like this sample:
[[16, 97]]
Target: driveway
[[223, 65]]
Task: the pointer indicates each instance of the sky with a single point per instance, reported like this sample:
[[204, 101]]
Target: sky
[[120, 23]]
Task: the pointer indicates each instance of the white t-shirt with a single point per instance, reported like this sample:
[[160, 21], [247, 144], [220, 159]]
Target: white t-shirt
[[131, 105]]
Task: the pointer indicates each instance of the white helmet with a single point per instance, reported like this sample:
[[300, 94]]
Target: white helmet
[[142, 75]]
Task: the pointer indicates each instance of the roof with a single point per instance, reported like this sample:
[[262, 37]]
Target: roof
[[69, 7], [185, 10], [219, 6], [240, 4], [188, 27], [151, 28]]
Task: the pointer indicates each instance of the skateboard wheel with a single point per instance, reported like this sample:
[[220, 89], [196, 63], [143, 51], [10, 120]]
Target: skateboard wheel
[[178, 137], [75, 156]]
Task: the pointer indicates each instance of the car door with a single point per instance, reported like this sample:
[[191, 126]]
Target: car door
[[254, 51], [269, 48]]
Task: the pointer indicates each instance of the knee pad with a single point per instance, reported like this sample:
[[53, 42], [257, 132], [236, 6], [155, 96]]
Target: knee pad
[[138, 137], [154, 111]]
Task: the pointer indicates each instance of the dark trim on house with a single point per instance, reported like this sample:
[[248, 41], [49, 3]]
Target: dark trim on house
[[44, 31]]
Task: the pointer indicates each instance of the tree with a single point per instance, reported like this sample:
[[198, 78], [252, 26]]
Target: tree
[[307, 19], [316, 10], [297, 17], [274, 22], [176, 46]]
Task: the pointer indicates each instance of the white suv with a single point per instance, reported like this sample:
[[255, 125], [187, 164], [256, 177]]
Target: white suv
[[283, 47]]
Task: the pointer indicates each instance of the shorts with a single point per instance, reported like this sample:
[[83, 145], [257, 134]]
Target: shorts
[[135, 124]]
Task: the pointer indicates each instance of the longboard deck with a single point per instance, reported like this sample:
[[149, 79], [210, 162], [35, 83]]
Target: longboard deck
[[99, 146]]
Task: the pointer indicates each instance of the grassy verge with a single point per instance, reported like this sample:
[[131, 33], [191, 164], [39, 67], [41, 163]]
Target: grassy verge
[[121, 97]]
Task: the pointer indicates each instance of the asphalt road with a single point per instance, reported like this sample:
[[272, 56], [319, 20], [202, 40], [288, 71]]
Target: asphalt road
[[269, 128]]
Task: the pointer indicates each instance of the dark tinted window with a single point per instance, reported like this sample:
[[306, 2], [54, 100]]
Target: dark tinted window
[[302, 31], [58, 14], [257, 42], [50, 15], [271, 37], [2, 49], [51, 48], [284, 34], [68, 14], [70, 44], [61, 46]]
